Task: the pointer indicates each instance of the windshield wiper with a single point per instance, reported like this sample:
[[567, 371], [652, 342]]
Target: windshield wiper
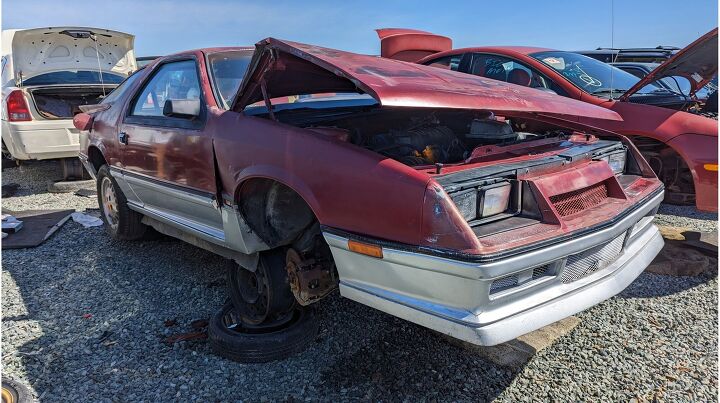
[[608, 91]]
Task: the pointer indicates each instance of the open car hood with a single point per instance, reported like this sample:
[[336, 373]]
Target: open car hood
[[281, 68], [698, 62], [42, 50]]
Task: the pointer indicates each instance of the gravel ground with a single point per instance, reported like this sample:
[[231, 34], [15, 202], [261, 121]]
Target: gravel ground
[[83, 318], [686, 216]]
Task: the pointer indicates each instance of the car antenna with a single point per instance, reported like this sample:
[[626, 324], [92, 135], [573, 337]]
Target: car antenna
[[97, 55], [612, 43]]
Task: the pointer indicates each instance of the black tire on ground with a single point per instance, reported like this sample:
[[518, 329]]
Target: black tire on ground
[[261, 343], [7, 159], [73, 170], [70, 186], [120, 222], [15, 392]]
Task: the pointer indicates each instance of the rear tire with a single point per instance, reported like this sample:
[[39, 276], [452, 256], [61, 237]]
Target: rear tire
[[7, 159], [120, 222], [15, 392], [232, 339]]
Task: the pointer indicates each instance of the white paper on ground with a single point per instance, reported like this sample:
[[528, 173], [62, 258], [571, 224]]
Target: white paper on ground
[[86, 220]]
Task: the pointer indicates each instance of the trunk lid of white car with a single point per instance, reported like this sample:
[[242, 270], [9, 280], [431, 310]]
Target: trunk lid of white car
[[44, 50]]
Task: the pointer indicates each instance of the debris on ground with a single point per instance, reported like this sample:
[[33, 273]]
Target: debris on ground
[[199, 335], [672, 233], [676, 259], [38, 226], [199, 331], [86, 220], [10, 224], [86, 193], [517, 352]]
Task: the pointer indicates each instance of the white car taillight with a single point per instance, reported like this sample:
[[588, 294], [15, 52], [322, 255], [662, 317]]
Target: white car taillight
[[17, 107]]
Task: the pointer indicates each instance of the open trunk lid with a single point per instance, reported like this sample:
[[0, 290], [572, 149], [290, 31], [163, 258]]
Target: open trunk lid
[[410, 45], [698, 62], [43, 50], [282, 68]]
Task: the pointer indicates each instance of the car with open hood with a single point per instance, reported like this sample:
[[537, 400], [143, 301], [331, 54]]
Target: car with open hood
[[700, 102], [47, 74], [680, 146], [481, 209]]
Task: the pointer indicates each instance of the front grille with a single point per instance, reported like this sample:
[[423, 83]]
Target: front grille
[[597, 258], [513, 280], [541, 271], [503, 283], [579, 200]]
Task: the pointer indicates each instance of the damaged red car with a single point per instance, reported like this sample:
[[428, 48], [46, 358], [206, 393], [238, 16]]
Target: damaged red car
[[469, 206], [681, 147]]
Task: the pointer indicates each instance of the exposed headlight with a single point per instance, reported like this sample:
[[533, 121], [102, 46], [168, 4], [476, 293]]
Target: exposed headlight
[[616, 161], [484, 201], [493, 199], [466, 203]]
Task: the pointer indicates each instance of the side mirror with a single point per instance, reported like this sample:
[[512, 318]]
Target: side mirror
[[83, 121], [182, 108]]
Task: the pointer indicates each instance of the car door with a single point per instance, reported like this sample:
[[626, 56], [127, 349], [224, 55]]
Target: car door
[[167, 159]]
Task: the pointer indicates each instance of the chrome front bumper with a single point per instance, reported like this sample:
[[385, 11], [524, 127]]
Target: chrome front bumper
[[490, 303]]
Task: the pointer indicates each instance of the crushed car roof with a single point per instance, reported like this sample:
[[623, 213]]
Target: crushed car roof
[[282, 68]]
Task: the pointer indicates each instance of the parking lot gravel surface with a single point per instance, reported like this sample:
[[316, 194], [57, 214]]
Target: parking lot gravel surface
[[85, 318]]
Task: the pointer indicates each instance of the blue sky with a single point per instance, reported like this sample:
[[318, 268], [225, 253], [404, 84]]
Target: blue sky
[[163, 26]]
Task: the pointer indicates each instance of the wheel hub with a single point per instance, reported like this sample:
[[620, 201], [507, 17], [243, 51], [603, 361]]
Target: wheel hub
[[262, 296], [109, 202], [254, 291]]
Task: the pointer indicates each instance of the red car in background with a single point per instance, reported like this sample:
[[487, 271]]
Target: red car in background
[[681, 147], [476, 208]]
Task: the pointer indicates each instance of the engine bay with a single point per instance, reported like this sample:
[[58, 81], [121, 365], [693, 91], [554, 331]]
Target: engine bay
[[420, 137]]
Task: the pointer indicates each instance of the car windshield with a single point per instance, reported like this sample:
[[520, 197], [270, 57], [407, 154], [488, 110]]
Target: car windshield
[[592, 76], [74, 77], [228, 69]]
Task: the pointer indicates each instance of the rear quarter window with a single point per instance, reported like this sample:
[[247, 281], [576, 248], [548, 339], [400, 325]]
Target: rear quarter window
[[447, 62]]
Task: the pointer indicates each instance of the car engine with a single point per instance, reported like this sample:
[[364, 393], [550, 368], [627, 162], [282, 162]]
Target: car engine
[[432, 142]]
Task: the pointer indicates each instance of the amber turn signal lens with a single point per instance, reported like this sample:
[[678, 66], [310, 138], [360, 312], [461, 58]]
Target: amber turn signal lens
[[711, 167], [365, 249]]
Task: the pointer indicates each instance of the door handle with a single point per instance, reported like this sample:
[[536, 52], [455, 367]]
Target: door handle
[[123, 138]]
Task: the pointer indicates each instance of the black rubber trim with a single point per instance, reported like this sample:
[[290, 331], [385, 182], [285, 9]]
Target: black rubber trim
[[472, 258], [175, 186]]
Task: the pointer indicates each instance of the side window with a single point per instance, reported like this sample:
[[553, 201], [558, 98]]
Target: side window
[[447, 62], [174, 80], [511, 71]]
